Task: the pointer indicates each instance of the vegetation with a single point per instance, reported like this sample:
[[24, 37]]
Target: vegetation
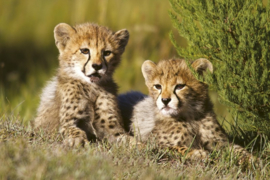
[[28, 58], [28, 55], [36, 155], [234, 36]]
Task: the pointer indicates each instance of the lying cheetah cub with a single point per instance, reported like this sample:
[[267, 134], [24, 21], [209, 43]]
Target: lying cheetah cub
[[178, 112], [80, 101]]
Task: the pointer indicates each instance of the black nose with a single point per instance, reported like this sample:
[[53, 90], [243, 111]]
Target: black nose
[[97, 66], [166, 101]]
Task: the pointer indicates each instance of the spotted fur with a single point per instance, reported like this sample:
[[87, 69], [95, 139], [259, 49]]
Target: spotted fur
[[178, 112], [80, 101]]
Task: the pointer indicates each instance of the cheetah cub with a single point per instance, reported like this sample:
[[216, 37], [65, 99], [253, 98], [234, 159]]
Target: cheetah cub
[[80, 101], [178, 112]]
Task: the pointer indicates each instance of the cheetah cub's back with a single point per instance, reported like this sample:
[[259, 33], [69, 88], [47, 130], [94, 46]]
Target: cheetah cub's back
[[178, 112], [80, 101]]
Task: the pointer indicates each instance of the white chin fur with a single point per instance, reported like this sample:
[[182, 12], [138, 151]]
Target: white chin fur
[[76, 73], [169, 112]]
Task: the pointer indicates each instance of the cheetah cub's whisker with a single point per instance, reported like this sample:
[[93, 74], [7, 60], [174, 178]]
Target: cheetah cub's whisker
[[80, 101], [178, 112]]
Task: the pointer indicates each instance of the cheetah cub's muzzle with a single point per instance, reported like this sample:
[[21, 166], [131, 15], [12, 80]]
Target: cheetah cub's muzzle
[[96, 69], [167, 91]]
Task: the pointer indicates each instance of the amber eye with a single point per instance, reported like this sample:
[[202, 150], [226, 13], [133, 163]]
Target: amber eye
[[157, 86], [85, 51], [179, 86], [107, 53]]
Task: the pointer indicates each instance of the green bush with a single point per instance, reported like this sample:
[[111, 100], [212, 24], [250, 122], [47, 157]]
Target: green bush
[[234, 35]]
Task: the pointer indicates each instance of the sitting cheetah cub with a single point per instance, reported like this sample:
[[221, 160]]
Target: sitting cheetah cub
[[80, 101], [178, 112]]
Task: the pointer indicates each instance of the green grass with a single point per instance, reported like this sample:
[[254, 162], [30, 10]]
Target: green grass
[[28, 56], [35, 155]]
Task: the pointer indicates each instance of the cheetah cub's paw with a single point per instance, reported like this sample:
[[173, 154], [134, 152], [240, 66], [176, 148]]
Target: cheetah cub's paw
[[248, 159], [76, 139], [193, 154], [197, 154]]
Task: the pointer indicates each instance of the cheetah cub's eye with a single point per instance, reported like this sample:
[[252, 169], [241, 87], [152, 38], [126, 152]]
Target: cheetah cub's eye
[[85, 51], [157, 86], [107, 53], [179, 86]]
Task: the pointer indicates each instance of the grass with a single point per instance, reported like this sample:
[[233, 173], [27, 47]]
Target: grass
[[26, 154]]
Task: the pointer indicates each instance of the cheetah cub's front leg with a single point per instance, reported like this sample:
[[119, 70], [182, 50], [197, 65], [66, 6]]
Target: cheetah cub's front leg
[[77, 113], [107, 121]]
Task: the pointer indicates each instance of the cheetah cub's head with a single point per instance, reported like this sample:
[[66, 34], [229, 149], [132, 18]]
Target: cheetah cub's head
[[175, 89], [89, 52]]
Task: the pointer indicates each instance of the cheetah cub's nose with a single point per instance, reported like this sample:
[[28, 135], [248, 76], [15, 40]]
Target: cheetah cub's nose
[[97, 66], [166, 101]]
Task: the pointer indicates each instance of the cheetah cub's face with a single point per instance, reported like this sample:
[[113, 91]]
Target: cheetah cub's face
[[88, 51], [174, 88]]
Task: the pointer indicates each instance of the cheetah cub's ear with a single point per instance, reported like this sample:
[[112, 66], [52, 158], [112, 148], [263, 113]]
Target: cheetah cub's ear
[[62, 33], [148, 70], [121, 37], [201, 65]]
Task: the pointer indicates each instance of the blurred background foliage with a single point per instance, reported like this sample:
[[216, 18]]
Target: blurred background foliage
[[28, 56]]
